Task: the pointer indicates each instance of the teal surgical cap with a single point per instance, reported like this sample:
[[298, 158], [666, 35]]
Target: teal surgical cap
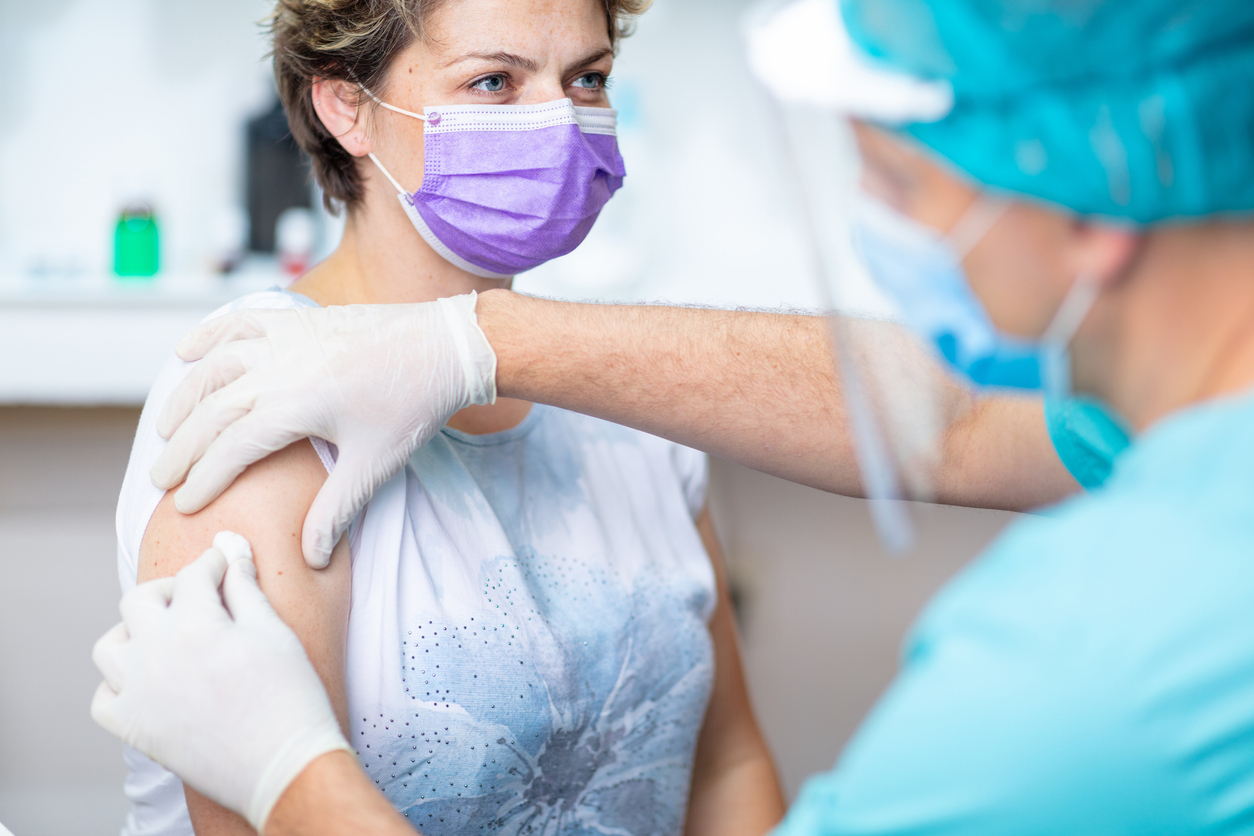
[[1135, 109]]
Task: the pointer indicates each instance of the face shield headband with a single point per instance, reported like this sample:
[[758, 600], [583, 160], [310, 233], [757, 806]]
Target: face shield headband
[[903, 317]]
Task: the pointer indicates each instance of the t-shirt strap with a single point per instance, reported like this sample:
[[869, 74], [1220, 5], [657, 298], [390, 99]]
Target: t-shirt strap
[[327, 452], [693, 469], [1088, 437]]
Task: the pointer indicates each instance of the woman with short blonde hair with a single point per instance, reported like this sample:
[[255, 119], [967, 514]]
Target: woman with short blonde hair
[[527, 630]]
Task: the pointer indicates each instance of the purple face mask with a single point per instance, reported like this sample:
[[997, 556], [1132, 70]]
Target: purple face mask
[[509, 187]]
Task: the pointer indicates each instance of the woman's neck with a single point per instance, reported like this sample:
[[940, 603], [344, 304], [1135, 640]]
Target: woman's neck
[[382, 260]]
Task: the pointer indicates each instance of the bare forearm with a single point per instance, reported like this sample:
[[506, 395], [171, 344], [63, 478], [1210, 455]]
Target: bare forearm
[[735, 791], [333, 797], [1001, 456], [755, 388], [759, 389], [744, 800]]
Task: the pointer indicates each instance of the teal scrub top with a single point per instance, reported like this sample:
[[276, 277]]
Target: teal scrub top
[[1092, 673]]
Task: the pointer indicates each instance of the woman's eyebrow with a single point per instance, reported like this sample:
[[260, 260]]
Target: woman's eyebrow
[[510, 58], [591, 58], [523, 63]]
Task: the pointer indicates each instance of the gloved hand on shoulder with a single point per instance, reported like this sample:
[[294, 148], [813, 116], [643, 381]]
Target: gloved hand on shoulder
[[378, 381]]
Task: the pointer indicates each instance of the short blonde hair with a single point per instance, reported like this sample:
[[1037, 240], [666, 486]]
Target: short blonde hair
[[357, 40]]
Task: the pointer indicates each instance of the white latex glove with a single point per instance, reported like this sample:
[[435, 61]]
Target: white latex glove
[[378, 381], [222, 696]]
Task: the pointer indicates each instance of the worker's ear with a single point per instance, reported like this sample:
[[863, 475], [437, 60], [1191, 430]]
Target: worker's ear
[[337, 105], [1105, 252]]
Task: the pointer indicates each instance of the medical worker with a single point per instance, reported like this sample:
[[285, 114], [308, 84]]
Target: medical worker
[[1078, 218]]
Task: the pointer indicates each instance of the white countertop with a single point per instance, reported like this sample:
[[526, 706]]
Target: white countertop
[[99, 340]]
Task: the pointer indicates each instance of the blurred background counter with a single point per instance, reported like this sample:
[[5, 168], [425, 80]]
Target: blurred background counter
[[98, 340]]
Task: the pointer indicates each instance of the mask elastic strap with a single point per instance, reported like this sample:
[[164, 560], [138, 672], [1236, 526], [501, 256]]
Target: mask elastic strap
[[1071, 313], [392, 108], [386, 173], [373, 158], [1055, 342], [975, 223]]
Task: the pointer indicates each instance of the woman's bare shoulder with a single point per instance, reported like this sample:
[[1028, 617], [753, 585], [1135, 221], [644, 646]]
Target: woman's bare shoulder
[[267, 504]]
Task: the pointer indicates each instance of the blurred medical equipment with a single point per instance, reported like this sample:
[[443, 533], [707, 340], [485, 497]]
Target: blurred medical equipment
[[178, 648], [278, 177], [137, 242], [387, 378], [296, 234], [228, 239], [555, 167]]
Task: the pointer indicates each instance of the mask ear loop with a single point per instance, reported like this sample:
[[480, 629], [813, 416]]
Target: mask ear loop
[[1056, 341], [1072, 312], [392, 108], [399, 188], [975, 223], [970, 231]]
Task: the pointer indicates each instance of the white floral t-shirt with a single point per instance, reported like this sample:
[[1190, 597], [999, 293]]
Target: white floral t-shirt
[[528, 650]]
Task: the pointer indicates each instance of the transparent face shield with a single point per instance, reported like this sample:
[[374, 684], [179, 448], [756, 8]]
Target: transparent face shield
[[900, 401]]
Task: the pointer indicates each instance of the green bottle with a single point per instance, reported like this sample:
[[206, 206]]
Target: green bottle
[[136, 243]]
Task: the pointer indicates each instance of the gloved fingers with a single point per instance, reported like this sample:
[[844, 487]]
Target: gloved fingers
[[478, 360], [244, 598], [146, 603], [196, 585], [105, 655], [240, 591], [222, 366], [347, 490], [104, 705], [196, 435], [233, 546], [239, 325], [244, 441]]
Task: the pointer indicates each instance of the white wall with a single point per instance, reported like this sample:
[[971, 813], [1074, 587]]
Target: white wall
[[114, 100]]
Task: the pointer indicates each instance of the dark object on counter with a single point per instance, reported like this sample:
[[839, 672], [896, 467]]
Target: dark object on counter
[[278, 177], [137, 242]]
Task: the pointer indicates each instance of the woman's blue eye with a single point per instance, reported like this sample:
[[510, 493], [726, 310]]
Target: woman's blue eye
[[491, 84], [591, 81]]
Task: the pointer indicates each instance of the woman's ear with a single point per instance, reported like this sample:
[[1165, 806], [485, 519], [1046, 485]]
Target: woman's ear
[[1104, 251], [335, 102]]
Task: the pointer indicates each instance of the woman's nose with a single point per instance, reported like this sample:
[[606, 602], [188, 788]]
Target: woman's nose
[[542, 90]]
